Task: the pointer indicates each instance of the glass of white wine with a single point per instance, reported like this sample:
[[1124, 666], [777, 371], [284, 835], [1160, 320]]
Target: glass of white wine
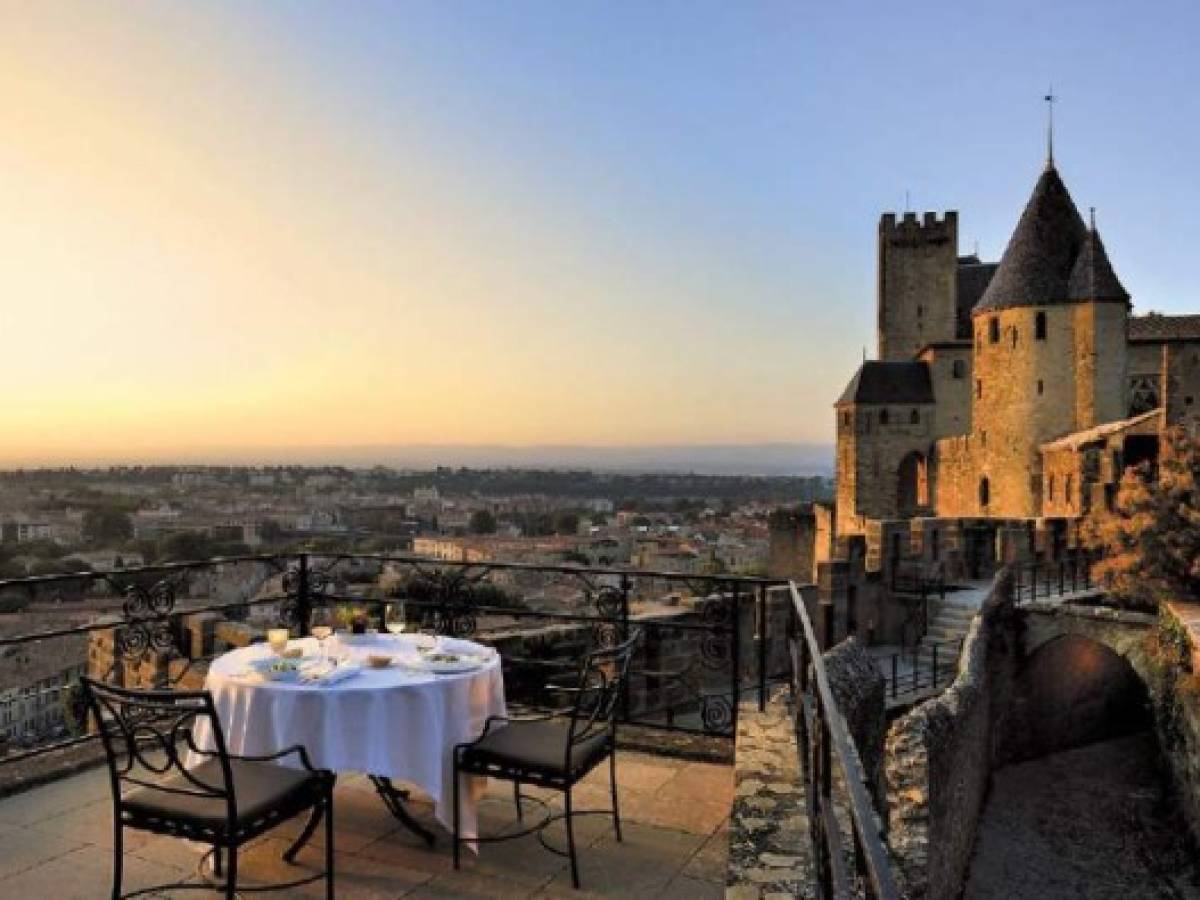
[[394, 618], [321, 627]]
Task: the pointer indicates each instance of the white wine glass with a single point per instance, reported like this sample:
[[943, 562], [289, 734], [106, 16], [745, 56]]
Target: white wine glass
[[321, 627], [394, 618]]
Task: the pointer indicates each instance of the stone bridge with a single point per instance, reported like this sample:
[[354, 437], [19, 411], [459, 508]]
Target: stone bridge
[[1081, 675]]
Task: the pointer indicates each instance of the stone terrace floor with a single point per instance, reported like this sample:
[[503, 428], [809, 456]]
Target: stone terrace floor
[[55, 842]]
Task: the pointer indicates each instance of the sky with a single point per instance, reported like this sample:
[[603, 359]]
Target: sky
[[245, 227]]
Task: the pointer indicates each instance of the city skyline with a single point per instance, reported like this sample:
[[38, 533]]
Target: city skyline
[[289, 226]]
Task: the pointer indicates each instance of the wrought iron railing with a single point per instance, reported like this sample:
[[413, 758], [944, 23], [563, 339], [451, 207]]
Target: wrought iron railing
[[709, 639], [824, 742], [1051, 581], [922, 668]]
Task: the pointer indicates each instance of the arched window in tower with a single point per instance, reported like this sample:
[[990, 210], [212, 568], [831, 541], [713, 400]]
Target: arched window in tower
[[1067, 496], [914, 417], [978, 388], [912, 484], [994, 330], [1050, 490], [883, 417], [845, 420], [959, 368], [1014, 335], [1041, 387], [985, 491], [1039, 326]]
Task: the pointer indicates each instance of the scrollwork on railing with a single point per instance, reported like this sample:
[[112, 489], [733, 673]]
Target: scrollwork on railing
[[146, 631], [610, 606], [448, 600], [716, 612], [716, 713]]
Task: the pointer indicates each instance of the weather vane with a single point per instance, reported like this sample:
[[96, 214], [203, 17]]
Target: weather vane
[[1050, 99]]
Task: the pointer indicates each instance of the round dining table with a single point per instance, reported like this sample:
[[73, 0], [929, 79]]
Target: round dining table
[[396, 723]]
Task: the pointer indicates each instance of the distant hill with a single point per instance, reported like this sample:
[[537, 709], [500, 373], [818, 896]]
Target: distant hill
[[707, 459]]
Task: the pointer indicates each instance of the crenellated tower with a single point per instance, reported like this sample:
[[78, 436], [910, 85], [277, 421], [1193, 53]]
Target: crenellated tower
[[917, 300]]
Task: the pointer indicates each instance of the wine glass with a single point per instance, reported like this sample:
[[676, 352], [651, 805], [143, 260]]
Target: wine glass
[[321, 627], [394, 618]]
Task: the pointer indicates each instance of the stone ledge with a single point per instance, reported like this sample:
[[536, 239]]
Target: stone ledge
[[769, 836]]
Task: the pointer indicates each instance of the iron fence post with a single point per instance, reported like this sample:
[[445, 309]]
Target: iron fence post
[[763, 633], [735, 662], [625, 637], [303, 596], [827, 623]]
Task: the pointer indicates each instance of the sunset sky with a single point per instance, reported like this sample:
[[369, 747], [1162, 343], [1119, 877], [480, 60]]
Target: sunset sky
[[253, 226]]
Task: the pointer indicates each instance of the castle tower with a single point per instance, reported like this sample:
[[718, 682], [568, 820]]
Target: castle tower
[[885, 432], [918, 263], [1101, 348], [1049, 349]]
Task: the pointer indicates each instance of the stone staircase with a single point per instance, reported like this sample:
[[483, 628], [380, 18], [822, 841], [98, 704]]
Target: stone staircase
[[947, 628]]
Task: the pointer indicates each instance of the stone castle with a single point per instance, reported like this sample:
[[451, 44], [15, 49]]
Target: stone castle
[[1006, 400]]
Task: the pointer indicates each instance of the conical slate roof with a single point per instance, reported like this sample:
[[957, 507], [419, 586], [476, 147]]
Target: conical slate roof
[[892, 381], [1093, 277], [1036, 267]]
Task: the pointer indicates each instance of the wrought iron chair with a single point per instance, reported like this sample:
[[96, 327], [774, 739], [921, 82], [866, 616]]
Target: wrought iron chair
[[556, 750], [223, 801]]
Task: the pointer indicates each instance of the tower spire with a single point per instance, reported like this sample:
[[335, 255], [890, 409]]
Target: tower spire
[[1050, 99]]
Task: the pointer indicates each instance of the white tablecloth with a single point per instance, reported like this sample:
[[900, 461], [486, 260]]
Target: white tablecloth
[[391, 722]]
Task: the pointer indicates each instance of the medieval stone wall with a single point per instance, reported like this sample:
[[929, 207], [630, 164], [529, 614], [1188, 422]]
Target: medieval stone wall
[[883, 462], [939, 761], [918, 286], [1180, 364], [1101, 363], [950, 371], [1024, 397]]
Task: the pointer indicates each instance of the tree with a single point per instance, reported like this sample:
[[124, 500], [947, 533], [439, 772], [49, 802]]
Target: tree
[[566, 523], [186, 546], [482, 522], [107, 526], [1150, 543]]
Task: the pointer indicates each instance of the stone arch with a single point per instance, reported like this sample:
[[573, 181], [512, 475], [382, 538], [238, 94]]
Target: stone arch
[[1074, 689], [912, 483]]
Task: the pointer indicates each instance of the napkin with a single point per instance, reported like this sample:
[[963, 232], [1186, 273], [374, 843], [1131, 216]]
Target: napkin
[[326, 675]]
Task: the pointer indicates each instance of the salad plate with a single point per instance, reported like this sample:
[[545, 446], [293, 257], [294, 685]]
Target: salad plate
[[446, 663], [281, 669]]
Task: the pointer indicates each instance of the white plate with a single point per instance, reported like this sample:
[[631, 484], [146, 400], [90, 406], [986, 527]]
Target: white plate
[[445, 667], [292, 673]]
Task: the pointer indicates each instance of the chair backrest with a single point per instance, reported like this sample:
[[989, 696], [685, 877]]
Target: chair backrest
[[144, 733], [602, 676]]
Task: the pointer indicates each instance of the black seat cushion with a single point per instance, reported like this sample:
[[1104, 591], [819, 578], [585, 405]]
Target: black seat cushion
[[258, 788], [538, 745]]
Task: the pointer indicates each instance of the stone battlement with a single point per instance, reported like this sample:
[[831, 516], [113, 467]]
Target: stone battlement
[[929, 229]]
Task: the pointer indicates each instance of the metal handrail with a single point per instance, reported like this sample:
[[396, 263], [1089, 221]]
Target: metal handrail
[[1050, 580], [822, 737], [309, 582]]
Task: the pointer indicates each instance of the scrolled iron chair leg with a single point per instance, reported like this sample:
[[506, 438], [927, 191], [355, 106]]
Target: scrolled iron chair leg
[[612, 778], [569, 819], [118, 859], [231, 874], [310, 829], [456, 837], [329, 844]]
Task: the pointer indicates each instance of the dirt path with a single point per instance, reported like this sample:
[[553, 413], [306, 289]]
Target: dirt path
[[1095, 822]]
